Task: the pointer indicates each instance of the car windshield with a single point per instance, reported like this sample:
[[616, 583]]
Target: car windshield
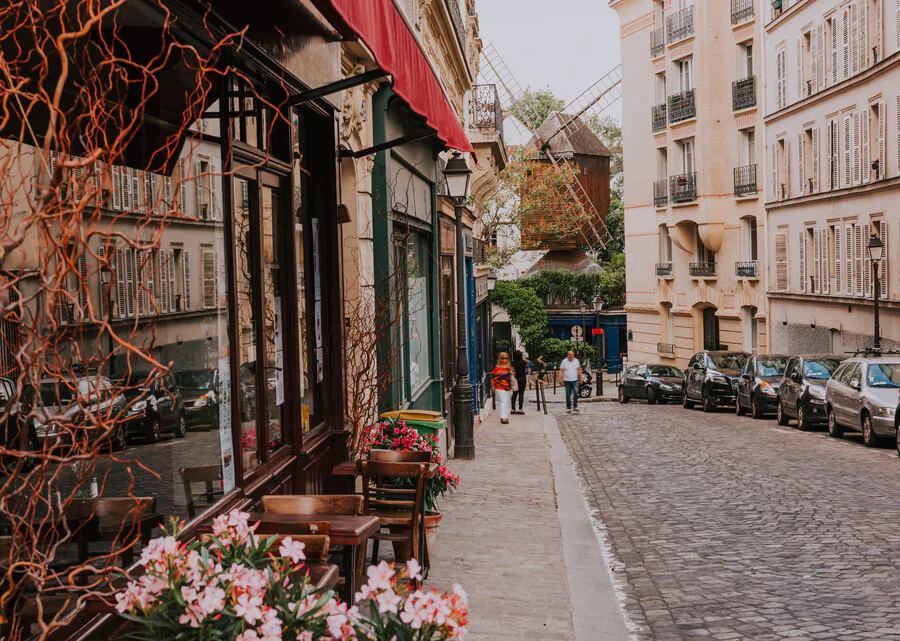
[[769, 367], [56, 394], [820, 370], [195, 380], [728, 361], [883, 375], [664, 371]]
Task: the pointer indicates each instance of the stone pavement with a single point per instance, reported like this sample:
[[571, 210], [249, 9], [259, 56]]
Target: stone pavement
[[517, 537]]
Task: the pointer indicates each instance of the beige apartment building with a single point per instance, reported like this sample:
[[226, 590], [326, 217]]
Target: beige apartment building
[[833, 171], [694, 216]]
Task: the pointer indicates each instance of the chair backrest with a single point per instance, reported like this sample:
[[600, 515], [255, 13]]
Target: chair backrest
[[309, 527], [394, 487], [395, 456], [315, 546], [207, 474], [313, 504], [123, 507]]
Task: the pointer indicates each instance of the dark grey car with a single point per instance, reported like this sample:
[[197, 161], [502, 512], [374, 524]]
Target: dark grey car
[[801, 394], [757, 388]]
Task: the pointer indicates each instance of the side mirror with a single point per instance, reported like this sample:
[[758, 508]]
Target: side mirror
[[699, 366], [854, 384], [746, 377]]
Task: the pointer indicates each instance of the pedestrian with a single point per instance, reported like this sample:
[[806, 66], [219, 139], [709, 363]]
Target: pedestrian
[[520, 368], [541, 368], [502, 381], [569, 374], [529, 372]]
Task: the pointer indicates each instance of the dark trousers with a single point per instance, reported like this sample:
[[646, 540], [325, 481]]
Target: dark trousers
[[571, 393], [520, 393]]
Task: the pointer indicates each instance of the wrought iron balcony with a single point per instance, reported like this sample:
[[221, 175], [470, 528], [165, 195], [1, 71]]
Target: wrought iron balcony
[[680, 24], [485, 110], [681, 106], [741, 10], [459, 26], [747, 269], [664, 269], [683, 188], [658, 115], [743, 93], [661, 193], [657, 42], [665, 348], [745, 180], [703, 270]]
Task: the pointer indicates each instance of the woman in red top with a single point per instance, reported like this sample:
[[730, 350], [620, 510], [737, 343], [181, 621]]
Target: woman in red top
[[502, 381]]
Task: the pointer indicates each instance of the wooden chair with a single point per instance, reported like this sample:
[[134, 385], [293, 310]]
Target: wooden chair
[[315, 546], [395, 456], [207, 474], [394, 503], [117, 518], [351, 504]]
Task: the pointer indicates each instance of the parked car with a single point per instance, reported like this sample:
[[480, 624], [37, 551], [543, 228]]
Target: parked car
[[200, 394], [656, 383], [710, 379], [757, 388], [862, 395], [11, 425], [154, 406], [65, 411], [802, 391]]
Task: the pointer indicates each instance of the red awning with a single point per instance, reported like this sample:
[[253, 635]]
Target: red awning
[[378, 24]]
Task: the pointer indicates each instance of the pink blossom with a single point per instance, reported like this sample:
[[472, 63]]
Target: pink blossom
[[292, 550], [380, 576], [248, 608], [387, 601], [414, 570]]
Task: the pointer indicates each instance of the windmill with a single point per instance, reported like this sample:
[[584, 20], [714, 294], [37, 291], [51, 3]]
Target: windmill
[[590, 104]]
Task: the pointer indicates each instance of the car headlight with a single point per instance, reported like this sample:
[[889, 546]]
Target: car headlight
[[139, 406], [885, 411], [766, 389], [202, 401], [720, 379], [666, 387], [815, 391]]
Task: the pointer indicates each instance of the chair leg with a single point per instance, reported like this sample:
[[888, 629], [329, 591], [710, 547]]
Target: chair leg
[[375, 543]]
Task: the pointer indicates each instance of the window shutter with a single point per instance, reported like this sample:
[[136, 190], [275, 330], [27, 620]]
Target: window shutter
[[865, 116], [800, 91], [866, 261], [838, 260], [141, 282], [835, 26], [817, 263], [164, 281], [117, 188], [800, 162], [101, 267], [787, 167], [897, 22], [97, 185], [138, 202], [845, 42], [815, 160], [126, 189], [848, 257], [198, 184], [186, 278], [857, 259], [209, 279], [781, 266], [779, 69], [120, 276], [130, 290], [883, 263], [853, 8], [182, 187], [83, 283], [216, 213], [863, 34], [802, 260], [149, 192], [825, 277], [167, 194], [848, 167], [856, 148], [882, 143], [773, 172], [884, 170], [814, 58], [830, 146], [879, 30], [784, 98], [820, 57]]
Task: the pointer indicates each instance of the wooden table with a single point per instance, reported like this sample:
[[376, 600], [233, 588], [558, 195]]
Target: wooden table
[[352, 532]]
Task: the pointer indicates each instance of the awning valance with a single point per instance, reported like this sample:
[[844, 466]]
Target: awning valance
[[381, 27]]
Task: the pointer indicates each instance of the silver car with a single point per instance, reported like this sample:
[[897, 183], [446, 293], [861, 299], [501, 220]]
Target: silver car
[[862, 395]]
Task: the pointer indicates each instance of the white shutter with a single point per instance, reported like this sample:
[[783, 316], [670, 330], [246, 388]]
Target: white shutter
[[845, 42], [879, 30], [216, 213], [882, 142], [773, 170], [121, 290], [117, 188], [126, 189], [820, 57], [801, 164], [164, 281], [83, 283], [781, 261], [198, 184], [97, 187], [856, 149], [847, 139], [802, 260], [865, 117], [182, 187], [787, 167], [883, 263], [139, 258], [863, 35], [186, 278], [838, 260], [784, 98], [101, 267], [853, 8], [857, 259], [884, 170], [173, 288], [814, 58], [800, 91], [149, 189], [830, 145], [835, 46], [779, 82], [168, 195], [209, 278], [815, 161], [138, 202], [825, 276], [130, 290], [897, 22], [817, 263], [848, 260], [867, 262]]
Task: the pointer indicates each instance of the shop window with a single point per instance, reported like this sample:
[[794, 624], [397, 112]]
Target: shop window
[[416, 272]]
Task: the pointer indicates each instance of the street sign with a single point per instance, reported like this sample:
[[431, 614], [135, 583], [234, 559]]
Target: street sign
[[596, 331], [577, 331]]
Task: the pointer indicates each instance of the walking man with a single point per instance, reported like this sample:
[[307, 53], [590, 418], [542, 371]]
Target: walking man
[[570, 375]]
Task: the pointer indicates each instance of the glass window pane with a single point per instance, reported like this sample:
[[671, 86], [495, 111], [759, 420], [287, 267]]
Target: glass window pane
[[418, 312], [273, 257], [302, 360]]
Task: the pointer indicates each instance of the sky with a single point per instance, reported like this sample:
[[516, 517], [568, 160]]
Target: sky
[[564, 44]]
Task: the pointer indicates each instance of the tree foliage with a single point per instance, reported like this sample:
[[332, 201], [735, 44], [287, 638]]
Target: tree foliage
[[534, 106]]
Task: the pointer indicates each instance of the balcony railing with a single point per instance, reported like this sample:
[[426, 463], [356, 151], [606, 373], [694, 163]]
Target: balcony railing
[[458, 25], [683, 188], [741, 10], [486, 112], [658, 115], [681, 106], [747, 269], [745, 180], [664, 269], [743, 93], [657, 42], [703, 270], [680, 24], [665, 348], [661, 193]]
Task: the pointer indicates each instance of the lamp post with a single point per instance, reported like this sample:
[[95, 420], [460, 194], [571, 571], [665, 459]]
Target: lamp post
[[598, 307], [457, 174], [583, 309], [876, 253]]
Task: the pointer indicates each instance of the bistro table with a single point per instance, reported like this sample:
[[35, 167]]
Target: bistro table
[[348, 530]]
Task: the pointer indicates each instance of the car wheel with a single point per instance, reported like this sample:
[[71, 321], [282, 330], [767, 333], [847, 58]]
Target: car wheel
[[120, 440], [834, 428], [898, 442], [870, 438], [685, 402], [623, 397], [755, 412], [802, 420], [155, 431], [708, 405], [780, 415], [584, 391], [180, 427], [651, 396], [738, 408]]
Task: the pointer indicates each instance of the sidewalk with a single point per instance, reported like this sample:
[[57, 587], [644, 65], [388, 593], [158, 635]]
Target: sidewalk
[[516, 535]]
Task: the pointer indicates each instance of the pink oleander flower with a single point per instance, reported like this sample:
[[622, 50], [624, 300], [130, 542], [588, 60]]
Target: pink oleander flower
[[380, 576], [247, 607], [414, 570], [292, 550], [387, 601]]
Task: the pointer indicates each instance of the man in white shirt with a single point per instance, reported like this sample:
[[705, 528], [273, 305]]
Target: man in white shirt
[[569, 374]]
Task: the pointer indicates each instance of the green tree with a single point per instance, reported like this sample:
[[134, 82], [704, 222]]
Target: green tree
[[610, 131], [534, 106]]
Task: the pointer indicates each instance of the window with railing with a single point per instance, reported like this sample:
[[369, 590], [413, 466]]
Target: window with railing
[[683, 188], [741, 10], [681, 106], [664, 269], [658, 115], [665, 348], [747, 269], [485, 110], [703, 270], [743, 93], [745, 180], [661, 193], [458, 25], [657, 42], [680, 25]]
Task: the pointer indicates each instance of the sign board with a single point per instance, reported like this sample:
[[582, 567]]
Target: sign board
[[596, 331], [577, 331]]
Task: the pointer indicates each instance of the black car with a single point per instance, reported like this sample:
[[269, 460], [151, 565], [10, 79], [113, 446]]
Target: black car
[[656, 383], [200, 394], [757, 388], [802, 391], [710, 379], [154, 406]]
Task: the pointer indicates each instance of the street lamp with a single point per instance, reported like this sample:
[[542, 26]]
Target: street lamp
[[876, 253], [457, 175], [598, 307], [583, 309]]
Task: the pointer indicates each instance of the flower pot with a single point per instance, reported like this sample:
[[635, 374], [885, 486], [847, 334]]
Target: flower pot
[[432, 521], [403, 549]]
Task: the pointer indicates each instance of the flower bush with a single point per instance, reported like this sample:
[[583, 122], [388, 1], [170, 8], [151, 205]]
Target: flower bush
[[397, 435]]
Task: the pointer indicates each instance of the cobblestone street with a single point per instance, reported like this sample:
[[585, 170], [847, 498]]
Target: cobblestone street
[[730, 528]]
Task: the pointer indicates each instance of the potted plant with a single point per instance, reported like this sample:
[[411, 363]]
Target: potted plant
[[397, 435]]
